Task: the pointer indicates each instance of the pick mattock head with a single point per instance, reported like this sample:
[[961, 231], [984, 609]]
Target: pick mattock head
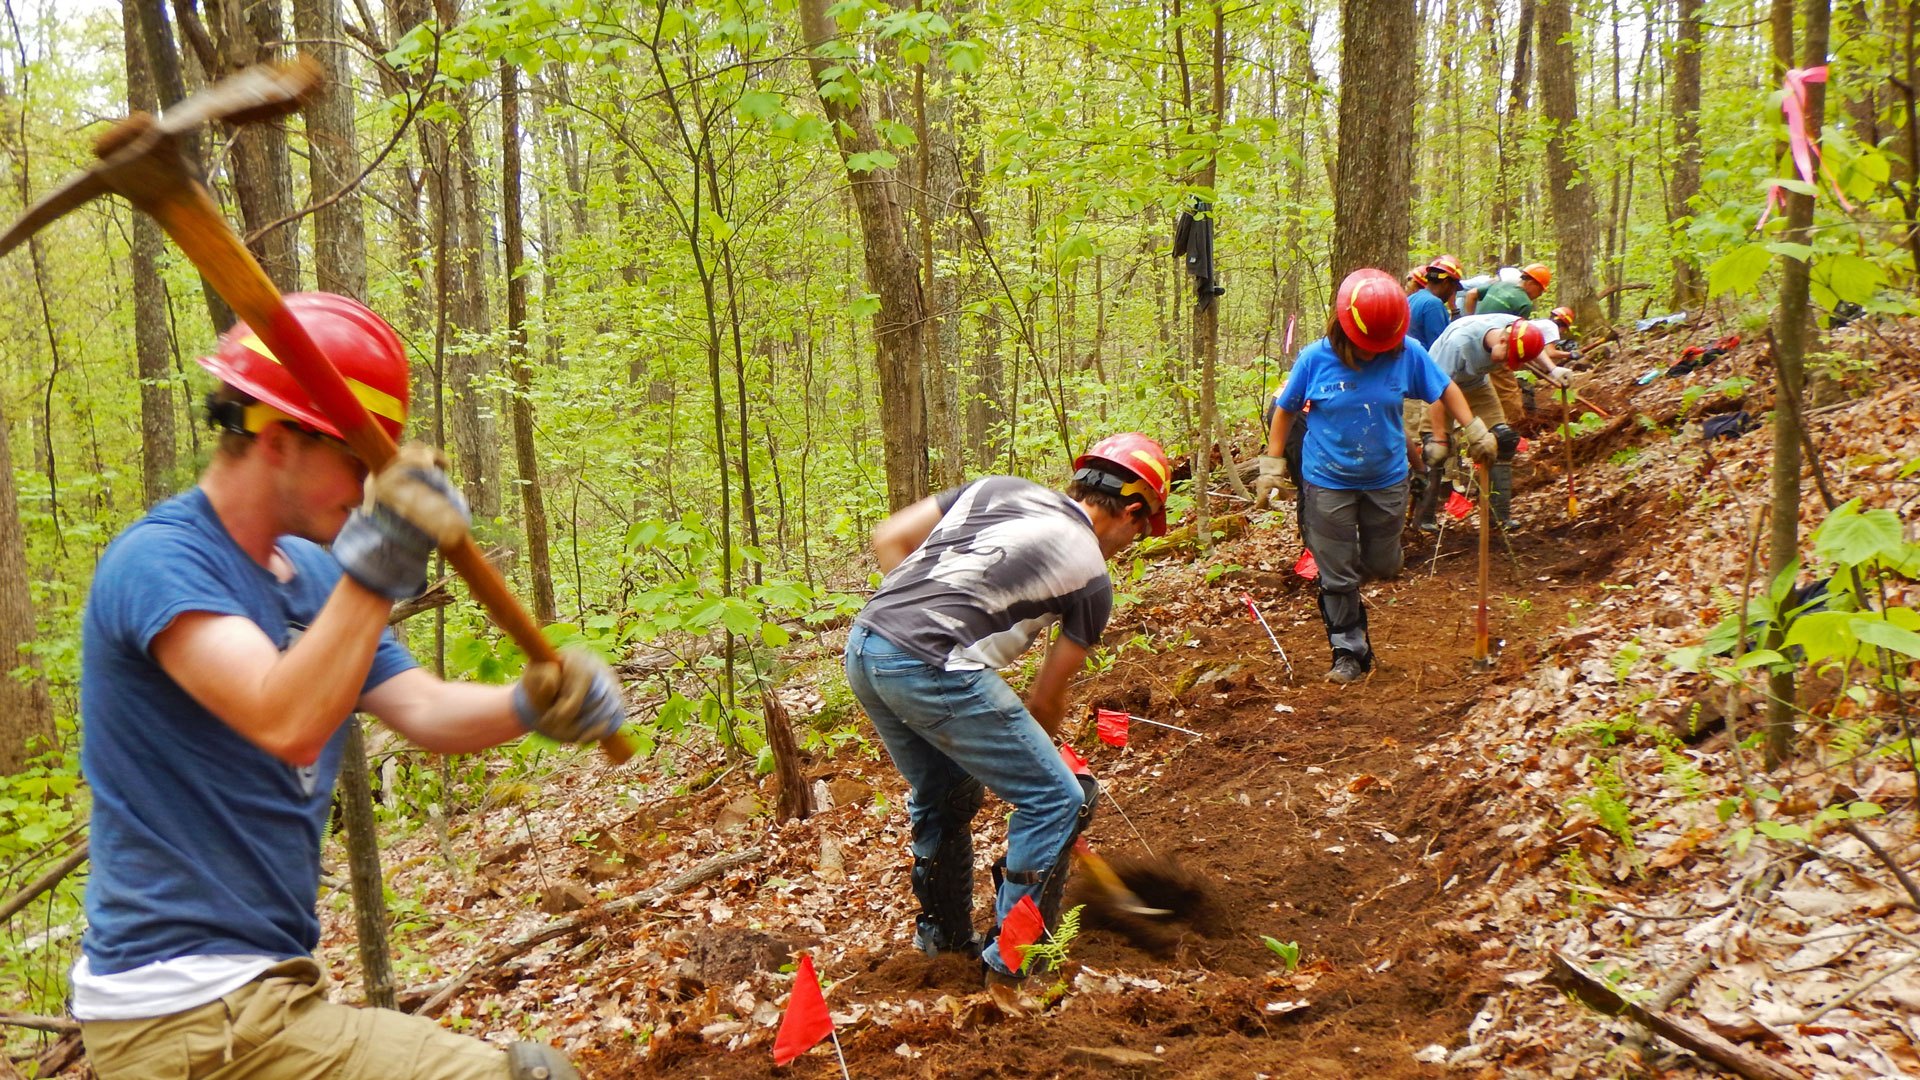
[[141, 158]]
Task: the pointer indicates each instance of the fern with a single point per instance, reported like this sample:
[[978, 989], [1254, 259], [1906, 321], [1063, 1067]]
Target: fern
[[1052, 952], [1683, 773]]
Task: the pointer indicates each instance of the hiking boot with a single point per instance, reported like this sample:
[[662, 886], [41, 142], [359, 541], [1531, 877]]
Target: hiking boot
[[1346, 670], [931, 940]]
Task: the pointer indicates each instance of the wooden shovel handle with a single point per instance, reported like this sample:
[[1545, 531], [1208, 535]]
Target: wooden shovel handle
[[197, 225]]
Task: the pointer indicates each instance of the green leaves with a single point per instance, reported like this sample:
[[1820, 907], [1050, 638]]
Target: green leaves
[[1845, 277], [1859, 539], [1739, 270], [869, 160]]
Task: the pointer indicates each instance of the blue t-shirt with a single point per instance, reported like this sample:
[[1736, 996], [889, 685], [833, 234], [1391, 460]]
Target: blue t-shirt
[[203, 844], [1428, 316], [1357, 441]]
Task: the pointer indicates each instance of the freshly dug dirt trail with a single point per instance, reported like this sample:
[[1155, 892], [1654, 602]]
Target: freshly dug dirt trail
[[1316, 814]]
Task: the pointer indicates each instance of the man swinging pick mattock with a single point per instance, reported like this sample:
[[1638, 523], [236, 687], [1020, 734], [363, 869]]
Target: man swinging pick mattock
[[973, 574], [224, 647]]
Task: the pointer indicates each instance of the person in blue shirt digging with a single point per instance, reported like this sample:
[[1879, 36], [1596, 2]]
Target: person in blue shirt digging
[[1354, 461], [223, 649]]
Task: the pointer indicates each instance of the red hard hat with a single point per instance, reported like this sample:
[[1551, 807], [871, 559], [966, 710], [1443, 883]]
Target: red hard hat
[[1445, 264], [1141, 458], [1524, 342], [1540, 273], [1372, 308], [1418, 276], [359, 344], [1563, 315]]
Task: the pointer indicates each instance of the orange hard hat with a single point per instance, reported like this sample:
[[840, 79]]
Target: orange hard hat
[[1524, 343], [1372, 309], [1540, 273], [359, 344], [1137, 457], [1445, 264]]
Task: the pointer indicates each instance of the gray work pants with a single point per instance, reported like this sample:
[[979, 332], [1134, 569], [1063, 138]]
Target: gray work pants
[[1355, 538]]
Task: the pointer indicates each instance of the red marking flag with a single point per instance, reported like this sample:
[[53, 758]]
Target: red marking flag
[[1306, 567], [1459, 506], [1074, 761], [1524, 446], [1111, 726], [1021, 928], [806, 1021]]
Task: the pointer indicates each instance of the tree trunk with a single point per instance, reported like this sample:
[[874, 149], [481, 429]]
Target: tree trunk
[[1689, 286], [533, 505], [892, 274], [937, 206], [243, 35], [795, 799], [363, 869], [1793, 327], [1506, 207], [333, 162], [1570, 195], [152, 339], [1206, 316], [170, 86], [1373, 196], [26, 712]]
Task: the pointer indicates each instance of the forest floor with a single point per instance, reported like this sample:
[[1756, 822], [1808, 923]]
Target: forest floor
[[1428, 837]]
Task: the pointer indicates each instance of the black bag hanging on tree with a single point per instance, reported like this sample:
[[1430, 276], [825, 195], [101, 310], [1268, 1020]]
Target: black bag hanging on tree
[[1193, 238]]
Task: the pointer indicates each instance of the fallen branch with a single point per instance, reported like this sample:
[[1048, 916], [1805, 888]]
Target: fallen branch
[[1857, 989], [562, 927], [1892, 864], [59, 1025], [54, 875], [1603, 998]]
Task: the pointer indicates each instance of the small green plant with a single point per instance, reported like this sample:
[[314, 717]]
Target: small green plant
[[1215, 571], [1625, 456], [1287, 951], [1607, 799], [1732, 388], [1051, 954]]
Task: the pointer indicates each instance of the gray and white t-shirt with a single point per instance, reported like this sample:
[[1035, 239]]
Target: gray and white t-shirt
[[1461, 350], [1006, 560]]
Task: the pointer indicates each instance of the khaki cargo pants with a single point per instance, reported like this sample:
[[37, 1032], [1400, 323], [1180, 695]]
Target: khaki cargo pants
[[282, 1027]]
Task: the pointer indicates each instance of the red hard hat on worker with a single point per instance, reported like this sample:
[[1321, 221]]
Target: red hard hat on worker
[[1444, 265], [1141, 458], [359, 344], [1372, 309], [1524, 343]]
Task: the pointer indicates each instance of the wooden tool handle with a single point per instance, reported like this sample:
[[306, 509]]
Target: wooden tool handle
[[197, 225]]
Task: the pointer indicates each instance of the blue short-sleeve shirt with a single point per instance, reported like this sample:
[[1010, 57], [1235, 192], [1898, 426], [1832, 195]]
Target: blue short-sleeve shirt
[[1427, 317], [1356, 441], [203, 844]]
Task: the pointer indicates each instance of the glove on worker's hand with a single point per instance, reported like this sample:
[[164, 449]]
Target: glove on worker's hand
[[1273, 479], [1560, 377], [410, 509], [575, 700], [1434, 451], [1482, 447]]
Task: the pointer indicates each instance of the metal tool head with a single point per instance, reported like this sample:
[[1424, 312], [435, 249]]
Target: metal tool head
[[140, 157]]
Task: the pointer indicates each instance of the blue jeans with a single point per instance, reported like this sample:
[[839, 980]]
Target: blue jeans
[[940, 727]]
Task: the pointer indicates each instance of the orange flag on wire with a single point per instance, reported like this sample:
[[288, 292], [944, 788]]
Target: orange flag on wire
[[806, 1021], [1021, 928]]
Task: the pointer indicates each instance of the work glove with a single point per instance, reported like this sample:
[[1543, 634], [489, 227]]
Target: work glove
[[1434, 451], [410, 509], [575, 700], [1560, 377], [1272, 480], [1482, 447]]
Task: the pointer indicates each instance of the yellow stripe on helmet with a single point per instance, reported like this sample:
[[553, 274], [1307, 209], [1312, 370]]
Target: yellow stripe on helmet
[[378, 402], [1151, 462]]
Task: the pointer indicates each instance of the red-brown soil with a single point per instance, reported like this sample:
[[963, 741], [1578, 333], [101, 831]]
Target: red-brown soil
[[1328, 825]]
